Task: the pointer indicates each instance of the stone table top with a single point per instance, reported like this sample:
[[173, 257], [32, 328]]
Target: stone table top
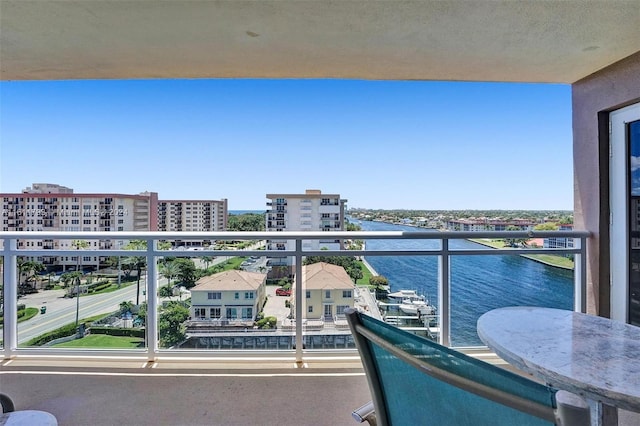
[[588, 355]]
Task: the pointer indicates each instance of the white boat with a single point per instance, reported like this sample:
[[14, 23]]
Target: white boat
[[415, 307], [402, 295]]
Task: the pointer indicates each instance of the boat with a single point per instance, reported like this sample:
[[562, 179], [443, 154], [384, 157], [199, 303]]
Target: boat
[[417, 307], [402, 295]]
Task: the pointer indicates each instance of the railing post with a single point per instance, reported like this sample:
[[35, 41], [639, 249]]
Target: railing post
[[580, 277], [444, 294], [10, 288], [152, 302], [298, 296]]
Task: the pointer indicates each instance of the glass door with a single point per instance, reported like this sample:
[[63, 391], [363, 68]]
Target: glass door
[[625, 214]]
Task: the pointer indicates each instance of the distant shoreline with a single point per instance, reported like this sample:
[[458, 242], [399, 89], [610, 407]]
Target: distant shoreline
[[482, 242]]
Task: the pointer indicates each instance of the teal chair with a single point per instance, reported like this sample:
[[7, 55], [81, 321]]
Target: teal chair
[[415, 381]]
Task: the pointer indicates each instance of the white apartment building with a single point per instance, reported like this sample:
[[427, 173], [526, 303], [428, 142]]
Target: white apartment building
[[192, 216], [311, 211], [52, 207]]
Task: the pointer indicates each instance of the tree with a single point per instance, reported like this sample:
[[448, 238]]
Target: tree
[[186, 272], [165, 291], [355, 273], [136, 262], [78, 244], [169, 270], [514, 242], [207, 260], [246, 222], [547, 226], [379, 284], [171, 325], [30, 269]]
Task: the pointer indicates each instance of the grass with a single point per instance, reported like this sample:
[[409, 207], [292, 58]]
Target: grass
[[366, 274], [547, 259], [104, 341]]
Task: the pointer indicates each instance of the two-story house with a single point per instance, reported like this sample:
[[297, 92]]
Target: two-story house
[[328, 291], [228, 296]]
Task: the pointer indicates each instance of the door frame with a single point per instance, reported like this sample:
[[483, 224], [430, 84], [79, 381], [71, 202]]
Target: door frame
[[619, 210]]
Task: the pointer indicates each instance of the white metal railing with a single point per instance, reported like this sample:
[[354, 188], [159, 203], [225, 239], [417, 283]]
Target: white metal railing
[[444, 254]]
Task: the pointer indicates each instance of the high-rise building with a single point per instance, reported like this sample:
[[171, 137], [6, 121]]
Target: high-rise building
[[51, 207], [311, 211], [193, 216]]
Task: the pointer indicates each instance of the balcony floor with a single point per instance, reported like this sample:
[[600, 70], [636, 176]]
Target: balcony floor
[[86, 393], [192, 392]]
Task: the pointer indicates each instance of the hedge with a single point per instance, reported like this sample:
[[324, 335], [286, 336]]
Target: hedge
[[116, 331]]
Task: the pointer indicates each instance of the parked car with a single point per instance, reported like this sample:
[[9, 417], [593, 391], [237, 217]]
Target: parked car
[[283, 292]]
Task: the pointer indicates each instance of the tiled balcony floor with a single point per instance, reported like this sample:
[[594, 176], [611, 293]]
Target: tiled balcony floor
[[192, 393], [119, 395]]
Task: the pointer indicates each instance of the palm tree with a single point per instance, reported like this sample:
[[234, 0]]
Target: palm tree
[[79, 244], [137, 262], [169, 270], [206, 260]]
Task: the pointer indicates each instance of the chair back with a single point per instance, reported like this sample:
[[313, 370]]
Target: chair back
[[415, 381]]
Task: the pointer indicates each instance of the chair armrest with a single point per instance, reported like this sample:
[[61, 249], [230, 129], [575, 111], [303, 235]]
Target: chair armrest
[[366, 413], [573, 410]]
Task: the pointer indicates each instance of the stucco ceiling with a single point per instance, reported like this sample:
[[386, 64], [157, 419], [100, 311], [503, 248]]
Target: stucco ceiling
[[479, 40]]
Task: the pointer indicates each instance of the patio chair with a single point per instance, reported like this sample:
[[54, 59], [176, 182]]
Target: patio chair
[[415, 381]]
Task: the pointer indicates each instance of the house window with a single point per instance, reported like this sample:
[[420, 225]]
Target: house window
[[248, 295], [199, 313], [310, 308], [308, 294], [347, 294], [214, 295], [232, 313], [327, 294], [214, 313], [247, 313], [236, 295]]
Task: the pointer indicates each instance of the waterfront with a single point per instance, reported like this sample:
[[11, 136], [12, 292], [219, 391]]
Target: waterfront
[[478, 283]]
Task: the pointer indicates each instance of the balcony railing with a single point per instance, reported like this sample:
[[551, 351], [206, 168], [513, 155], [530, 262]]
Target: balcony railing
[[152, 351]]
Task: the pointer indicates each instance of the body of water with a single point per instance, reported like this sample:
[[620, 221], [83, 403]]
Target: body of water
[[478, 283]]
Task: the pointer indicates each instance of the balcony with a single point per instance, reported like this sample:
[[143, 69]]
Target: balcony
[[443, 276], [102, 372]]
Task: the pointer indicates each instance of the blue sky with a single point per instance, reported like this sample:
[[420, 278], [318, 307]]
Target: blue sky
[[379, 144]]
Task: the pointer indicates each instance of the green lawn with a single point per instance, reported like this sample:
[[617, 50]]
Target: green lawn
[[549, 259], [366, 274], [104, 341]]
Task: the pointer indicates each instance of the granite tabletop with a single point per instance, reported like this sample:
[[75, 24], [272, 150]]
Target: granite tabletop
[[585, 354]]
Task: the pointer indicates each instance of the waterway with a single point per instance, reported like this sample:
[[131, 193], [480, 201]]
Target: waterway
[[478, 283]]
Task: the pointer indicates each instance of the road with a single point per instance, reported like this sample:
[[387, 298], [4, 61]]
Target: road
[[61, 310]]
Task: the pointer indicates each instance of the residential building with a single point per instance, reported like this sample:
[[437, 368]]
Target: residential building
[[228, 296], [51, 207], [192, 216], [557, 242], [328, 291], [311, 211], [489, 224]]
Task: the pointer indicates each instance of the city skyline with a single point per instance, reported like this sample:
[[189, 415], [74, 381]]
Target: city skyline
[[380, 144]]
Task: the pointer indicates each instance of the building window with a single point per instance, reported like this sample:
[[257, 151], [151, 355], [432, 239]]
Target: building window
[[248, 295], [310, 308], [347, 294], [214, 295], [199, 313], [308, 294], [214, 313], [236, 295], [247, 313], [327, 294], [232, 313]]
